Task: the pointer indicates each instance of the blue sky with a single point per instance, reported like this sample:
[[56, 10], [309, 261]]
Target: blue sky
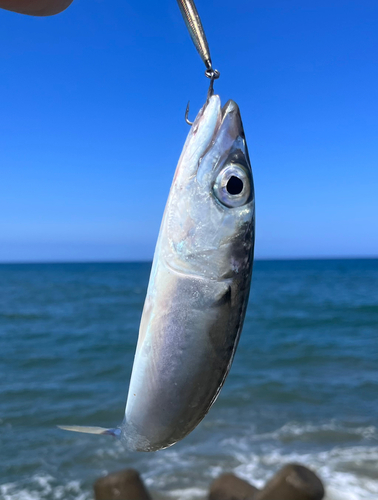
[[92, 108]]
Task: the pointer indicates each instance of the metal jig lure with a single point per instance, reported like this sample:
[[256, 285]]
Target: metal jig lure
[[193, 23]]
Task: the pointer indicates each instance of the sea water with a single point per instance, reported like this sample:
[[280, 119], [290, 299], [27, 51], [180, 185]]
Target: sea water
[[303, 386]]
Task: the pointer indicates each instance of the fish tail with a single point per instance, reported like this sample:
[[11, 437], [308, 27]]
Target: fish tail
[[91, 430], [132, 439]]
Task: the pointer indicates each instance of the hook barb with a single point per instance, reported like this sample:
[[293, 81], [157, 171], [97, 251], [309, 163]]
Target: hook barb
[[186, 115]]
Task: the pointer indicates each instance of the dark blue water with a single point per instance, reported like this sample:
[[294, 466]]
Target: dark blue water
[[303, 386]]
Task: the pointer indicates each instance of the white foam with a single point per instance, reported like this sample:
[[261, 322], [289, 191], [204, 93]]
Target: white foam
[[43, 487], [187, 493], [185, 471], [341, 469]]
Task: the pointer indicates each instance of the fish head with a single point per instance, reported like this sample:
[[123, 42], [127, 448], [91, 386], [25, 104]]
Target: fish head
[[210, 212]]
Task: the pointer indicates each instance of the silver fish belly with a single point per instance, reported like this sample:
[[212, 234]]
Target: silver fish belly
[[199, 284]]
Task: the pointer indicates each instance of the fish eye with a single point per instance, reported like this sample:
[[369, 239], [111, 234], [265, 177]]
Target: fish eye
[[232, 186]]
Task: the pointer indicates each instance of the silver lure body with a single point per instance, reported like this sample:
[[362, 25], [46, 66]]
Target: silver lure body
[[199, 286]]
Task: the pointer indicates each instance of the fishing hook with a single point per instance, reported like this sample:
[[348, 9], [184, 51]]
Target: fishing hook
[[213, 74], [186, 115]]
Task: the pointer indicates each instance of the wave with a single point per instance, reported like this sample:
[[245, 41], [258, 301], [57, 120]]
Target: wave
[[329, 430], [186, 471], [44, 487], [348, 472]]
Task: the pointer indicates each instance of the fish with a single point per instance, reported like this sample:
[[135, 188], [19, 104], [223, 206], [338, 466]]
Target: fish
[[199, 286]]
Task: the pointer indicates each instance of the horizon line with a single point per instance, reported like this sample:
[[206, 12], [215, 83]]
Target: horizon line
[[149, 261]]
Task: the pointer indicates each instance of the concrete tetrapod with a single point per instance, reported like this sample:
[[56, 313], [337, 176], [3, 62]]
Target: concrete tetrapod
[[122, 485], [293, 482], [230, 487]]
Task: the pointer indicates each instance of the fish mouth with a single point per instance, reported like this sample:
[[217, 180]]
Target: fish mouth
[[213, 106], [231, 119], [214, 131], [223, 124], [230, 107]]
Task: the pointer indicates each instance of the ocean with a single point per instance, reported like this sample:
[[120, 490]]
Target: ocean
[[303, 386]]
